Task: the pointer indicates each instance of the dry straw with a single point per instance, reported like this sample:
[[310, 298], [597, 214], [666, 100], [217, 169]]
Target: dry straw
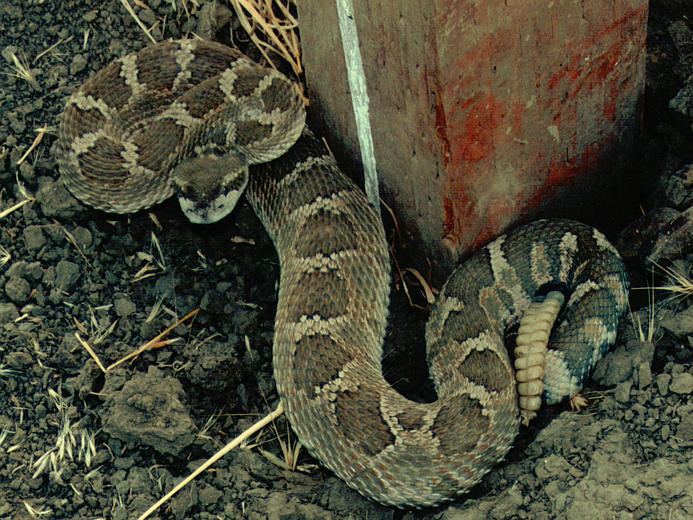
[[272, 27]]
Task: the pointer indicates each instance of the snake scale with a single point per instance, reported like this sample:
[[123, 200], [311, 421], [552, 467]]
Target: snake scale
[[197, 118]]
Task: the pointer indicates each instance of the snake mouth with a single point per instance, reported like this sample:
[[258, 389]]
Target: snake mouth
[[209, 212], [209, 186]]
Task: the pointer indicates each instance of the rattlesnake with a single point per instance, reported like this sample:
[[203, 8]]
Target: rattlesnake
[[177, 115]]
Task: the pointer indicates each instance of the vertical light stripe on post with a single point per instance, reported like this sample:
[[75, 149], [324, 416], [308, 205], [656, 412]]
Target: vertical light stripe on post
[[359, 96]]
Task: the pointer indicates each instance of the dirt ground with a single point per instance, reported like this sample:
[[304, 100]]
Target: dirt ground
[[80, 445]]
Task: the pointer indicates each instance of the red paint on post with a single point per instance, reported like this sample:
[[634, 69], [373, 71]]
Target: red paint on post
[[513, 148]]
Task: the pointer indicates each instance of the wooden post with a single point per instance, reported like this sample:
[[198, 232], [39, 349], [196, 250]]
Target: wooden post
[[483, 113]]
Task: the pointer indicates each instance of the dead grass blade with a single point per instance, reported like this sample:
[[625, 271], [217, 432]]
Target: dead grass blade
[[132, 13], [27, 198], [5, 256], [155, 342], [91, 352], [21, 70], [49, 49], [271, 27], [428, 291], [37, 140], [680, 285]]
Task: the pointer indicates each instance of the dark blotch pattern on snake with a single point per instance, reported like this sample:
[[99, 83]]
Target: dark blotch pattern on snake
[[191, 117]]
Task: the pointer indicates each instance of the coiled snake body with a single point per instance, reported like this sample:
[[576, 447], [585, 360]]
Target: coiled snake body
[[189, 116]]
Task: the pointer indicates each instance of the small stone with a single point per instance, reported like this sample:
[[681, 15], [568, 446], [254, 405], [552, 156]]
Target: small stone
[[124, 307], [34, 271], [82, 236], [78, 64], [644, 375], [19, 359], [28, 172], [89, 16], [665, 432], [17, 289], [66, 275], [8, 313], [55, 200], [209, 495], [622, 392], [34, 237], [618, 366], [662, 381], [682, 383], [17, 124], [124, 462], [17, 269], [148, 17], [680, 324]]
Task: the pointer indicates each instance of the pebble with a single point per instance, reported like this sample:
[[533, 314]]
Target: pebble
[[644, 375], [28, 172], [34, 271], [82, 236], [662, 381], [124, 307], [684, 430], [78, 64], [16, 269], [8, 313], [90, 16], [209, 495], [34, 237], [19, 359], [17, 289], [55, 200], [682, 383], [622, 392], [66, 275]]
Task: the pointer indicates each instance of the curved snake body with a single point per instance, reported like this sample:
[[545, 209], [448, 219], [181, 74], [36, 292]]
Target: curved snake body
[[333, 295]]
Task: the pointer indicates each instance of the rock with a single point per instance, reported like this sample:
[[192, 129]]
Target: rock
[[8, 313], [215, 365], [34, 237], [19, 359], [622, 392], [682, 383], [209, 495], [639, 238], [78, 64], [552, 466], [82, 236], [124, 307], [66, 275], [17, 289], [619, 365], [684, 430], [149, 411], [644, 375], [90, 16], [55, 200], [663, 383], [34, 271], [681, 324], [17, 269]]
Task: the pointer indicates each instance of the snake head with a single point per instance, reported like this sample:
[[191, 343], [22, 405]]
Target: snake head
[[208, 186]]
